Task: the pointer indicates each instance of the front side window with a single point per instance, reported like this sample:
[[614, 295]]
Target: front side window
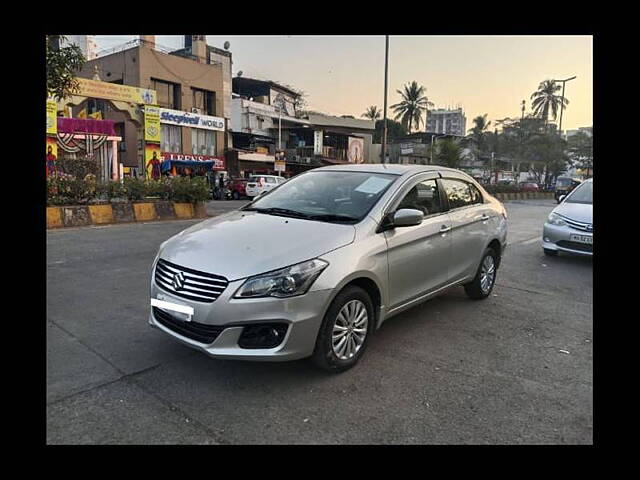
[[458, 193], [331, 196], [424, 197]]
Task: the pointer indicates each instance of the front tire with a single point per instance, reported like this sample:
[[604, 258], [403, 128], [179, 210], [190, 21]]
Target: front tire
[[345, 330], [482, 284]]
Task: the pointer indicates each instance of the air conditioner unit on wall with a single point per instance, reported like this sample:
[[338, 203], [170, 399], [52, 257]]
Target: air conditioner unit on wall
[[196, 110]]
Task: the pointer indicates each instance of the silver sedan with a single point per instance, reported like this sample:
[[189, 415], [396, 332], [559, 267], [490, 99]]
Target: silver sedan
[[313, 267], [569, 227]]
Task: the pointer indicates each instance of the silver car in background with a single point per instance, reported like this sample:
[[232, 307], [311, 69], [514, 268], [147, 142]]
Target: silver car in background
[[569, 227], [313, 267]]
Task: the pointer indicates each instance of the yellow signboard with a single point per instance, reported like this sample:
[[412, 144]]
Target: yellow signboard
[[113, 91], [152, 124], [52, 117]]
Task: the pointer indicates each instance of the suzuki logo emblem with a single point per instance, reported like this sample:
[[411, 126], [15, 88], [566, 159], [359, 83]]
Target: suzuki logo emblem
[[178, 281]]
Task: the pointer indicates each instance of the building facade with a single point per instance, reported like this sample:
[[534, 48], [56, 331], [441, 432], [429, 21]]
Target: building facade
[[193, 89], [451, 122], [264, 119]]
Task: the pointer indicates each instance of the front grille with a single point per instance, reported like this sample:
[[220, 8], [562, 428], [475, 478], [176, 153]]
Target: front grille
[[199, 332], [585, 227], [582, 247], [199, 286]]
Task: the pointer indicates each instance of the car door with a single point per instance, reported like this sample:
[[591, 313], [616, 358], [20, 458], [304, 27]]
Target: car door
[[418, 256], [470, 225]]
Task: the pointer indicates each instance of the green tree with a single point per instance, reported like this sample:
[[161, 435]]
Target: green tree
[[414, 103], [449, 153], [545, 100], [580, 151], [395, 130], [372, 113], [479, 136], [63, 63]]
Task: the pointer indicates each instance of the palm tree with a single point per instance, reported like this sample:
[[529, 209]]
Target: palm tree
[[546, 101], [372, 113], [449, 153], [414, 102], [478, 135]]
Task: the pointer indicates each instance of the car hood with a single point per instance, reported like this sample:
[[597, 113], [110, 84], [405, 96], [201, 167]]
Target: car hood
[[242, 243], [580, 212]]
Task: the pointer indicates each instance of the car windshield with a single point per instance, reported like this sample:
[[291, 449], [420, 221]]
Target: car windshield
[[582, 194], [563, 182], [330, 196]]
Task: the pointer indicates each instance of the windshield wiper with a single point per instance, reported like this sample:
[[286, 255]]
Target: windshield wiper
[[278, 211], [332, 217]]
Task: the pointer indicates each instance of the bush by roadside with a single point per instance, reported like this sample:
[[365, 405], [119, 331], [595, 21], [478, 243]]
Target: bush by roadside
[[63, 189]]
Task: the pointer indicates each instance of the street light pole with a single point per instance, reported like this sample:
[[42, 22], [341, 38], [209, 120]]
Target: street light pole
[[562, 104], [386, 71]]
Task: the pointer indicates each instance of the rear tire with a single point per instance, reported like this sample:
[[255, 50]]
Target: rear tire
[[550, 253], [330, 354], [236, 195], [482, 284]]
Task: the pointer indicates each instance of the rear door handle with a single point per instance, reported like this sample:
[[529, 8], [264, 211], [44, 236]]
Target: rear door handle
[[444, 229]]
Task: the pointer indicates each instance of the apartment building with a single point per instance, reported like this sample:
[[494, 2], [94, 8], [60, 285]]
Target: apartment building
[[193, 88], [451, 122]]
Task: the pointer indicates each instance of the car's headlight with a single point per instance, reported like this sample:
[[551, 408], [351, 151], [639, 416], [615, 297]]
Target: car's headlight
[[555, 219], [286, 282]]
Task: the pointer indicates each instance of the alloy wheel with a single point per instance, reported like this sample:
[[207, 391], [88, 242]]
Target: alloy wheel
[[349, 329], [487, 273]]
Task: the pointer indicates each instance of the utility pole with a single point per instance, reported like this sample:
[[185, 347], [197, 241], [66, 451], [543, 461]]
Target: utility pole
[[562, 104], [386, 71]]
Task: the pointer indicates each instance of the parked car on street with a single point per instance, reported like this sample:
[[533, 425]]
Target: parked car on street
[[530, 187], [313, 267], [569, 227], [564, 186], [262, 183], [237, 188]]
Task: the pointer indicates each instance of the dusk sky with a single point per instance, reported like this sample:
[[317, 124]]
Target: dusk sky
[[343, 75]]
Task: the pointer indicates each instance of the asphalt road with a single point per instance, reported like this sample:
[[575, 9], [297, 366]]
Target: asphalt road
[[515, 368]]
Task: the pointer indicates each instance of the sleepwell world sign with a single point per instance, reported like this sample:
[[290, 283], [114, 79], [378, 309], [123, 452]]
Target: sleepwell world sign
[[194, 120]]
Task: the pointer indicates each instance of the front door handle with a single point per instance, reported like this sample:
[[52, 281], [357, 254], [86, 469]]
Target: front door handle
[[444, 229]]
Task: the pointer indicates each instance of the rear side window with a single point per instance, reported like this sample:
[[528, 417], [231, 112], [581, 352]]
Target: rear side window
[[271, 180], [476, 196], [458, 193], [424, 197]]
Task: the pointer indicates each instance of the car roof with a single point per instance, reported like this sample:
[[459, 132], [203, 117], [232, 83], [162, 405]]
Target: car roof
[[391, 168]]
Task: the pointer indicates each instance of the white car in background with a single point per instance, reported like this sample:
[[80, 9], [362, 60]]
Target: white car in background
[[259, 184]]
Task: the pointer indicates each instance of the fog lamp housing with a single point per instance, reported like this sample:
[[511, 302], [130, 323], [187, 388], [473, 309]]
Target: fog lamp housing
[[262, 335]]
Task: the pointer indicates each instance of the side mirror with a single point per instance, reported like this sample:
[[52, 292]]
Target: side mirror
[[561, 198], [407, 217]]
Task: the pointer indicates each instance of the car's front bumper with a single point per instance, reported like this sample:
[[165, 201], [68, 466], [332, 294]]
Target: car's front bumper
[[558, 238], [303, 315]]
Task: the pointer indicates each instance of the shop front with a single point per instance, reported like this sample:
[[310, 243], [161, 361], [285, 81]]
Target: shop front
[[95, 138]]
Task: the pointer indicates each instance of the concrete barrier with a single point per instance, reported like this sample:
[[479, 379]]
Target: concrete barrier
[[83, 215], [523, 196]]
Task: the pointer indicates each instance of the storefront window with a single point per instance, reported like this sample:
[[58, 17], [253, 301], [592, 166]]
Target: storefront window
[[171, 136], [203, 142]]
